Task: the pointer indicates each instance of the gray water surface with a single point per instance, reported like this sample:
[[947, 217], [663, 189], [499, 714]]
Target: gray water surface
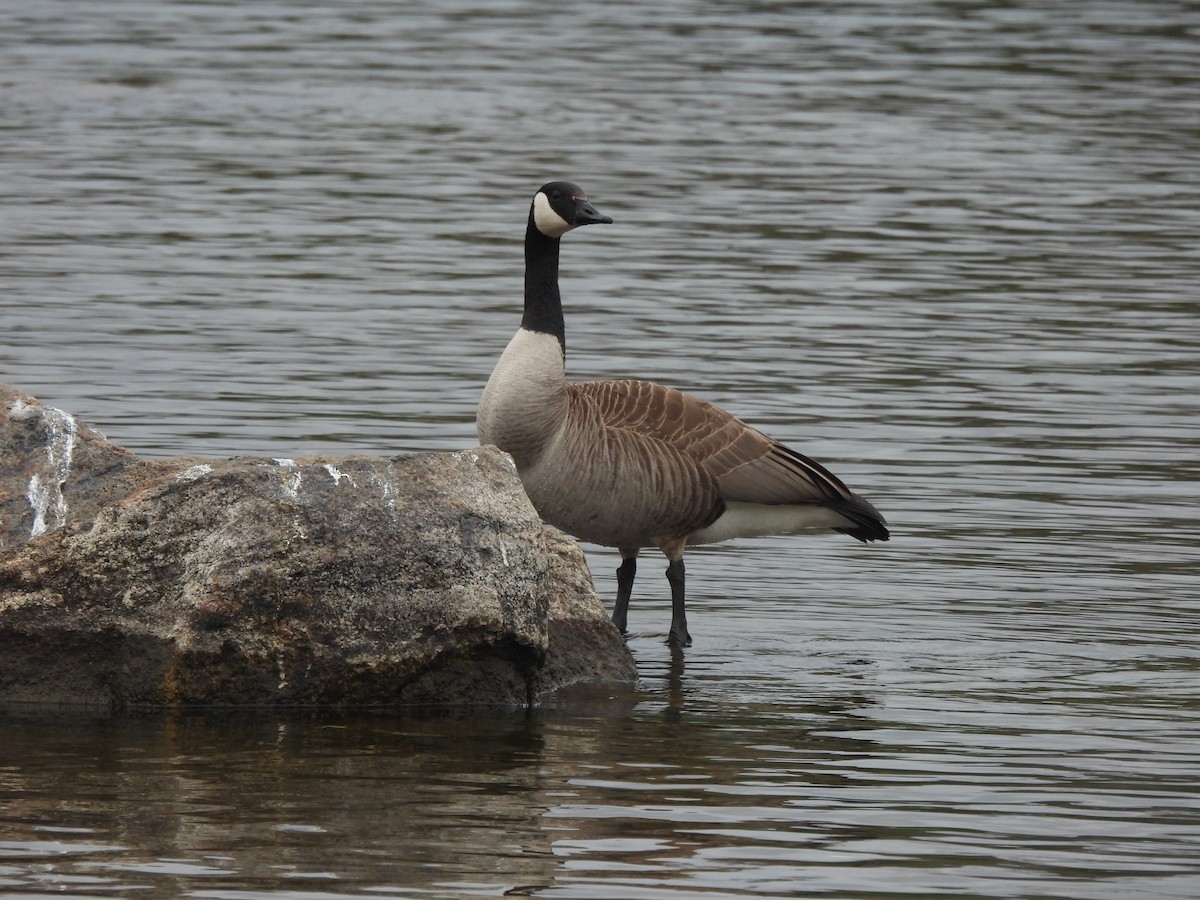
[[950, 250]]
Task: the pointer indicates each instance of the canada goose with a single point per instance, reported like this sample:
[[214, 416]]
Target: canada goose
[[631, 464]]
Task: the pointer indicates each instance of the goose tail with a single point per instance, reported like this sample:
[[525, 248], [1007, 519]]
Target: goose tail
[[868, 524]]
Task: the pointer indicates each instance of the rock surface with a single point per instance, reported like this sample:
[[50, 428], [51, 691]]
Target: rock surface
[[353, 580]]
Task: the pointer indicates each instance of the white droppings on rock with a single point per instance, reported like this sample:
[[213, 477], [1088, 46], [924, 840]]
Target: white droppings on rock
[[291, 477], [45, 492], [191, 473], [337, 474], [389, 492], [39, 501], [503, 554]]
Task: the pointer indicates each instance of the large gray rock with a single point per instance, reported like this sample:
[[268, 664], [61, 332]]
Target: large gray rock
[[354, 580]]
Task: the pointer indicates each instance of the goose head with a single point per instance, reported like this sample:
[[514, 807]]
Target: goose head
[[560, 206]]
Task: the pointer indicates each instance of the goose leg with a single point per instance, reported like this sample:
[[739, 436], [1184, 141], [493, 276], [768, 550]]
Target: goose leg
[[672, 549], [678, 635], [625, 573]]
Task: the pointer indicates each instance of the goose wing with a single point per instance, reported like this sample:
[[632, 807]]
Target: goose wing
[[749, 466]]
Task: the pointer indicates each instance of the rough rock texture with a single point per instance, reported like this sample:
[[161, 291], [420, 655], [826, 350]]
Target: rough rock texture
[[355, 580]]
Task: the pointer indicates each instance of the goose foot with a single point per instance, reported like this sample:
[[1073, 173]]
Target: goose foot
[[675, 640]]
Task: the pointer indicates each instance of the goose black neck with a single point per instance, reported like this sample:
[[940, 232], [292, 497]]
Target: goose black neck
[[543, 303]]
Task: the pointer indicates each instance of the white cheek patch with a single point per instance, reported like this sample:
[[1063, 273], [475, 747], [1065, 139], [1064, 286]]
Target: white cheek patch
[[548, 222]]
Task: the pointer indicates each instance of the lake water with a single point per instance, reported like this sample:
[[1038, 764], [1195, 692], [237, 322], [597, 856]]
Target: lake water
[[950, 249]]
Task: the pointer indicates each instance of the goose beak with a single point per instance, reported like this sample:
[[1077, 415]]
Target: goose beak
[[586, 214]]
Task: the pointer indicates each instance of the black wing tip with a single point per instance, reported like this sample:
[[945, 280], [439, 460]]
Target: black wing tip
[[869, 524], [867, 534]]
